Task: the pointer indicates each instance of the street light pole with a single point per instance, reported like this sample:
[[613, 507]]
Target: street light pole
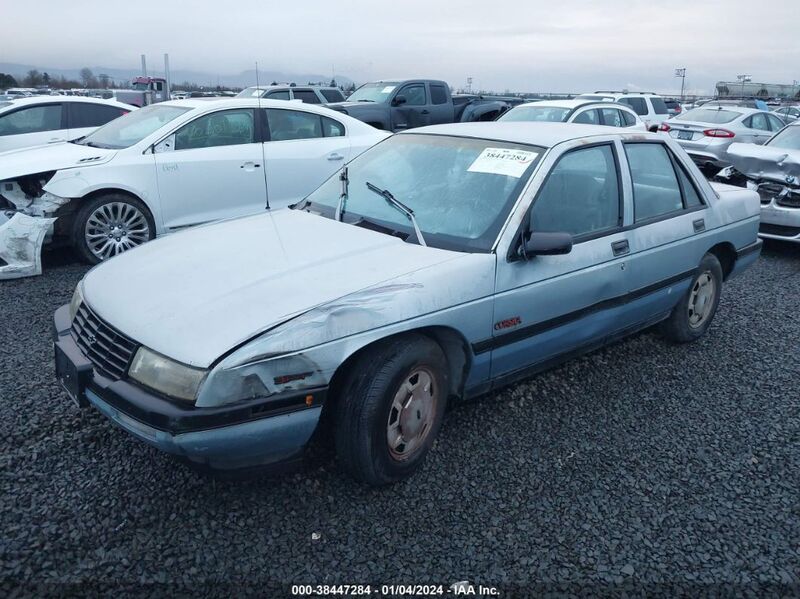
[[682, 74]]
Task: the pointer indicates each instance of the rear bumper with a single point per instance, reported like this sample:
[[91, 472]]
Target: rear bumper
[[242, 435]]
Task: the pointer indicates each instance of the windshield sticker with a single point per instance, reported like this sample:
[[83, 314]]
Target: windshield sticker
[[501, 161], [388, 89]]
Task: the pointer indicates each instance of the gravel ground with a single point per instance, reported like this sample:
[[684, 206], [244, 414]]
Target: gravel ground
[[643, 466]]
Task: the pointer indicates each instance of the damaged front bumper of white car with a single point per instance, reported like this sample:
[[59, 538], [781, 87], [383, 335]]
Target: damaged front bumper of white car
[[26, 224]]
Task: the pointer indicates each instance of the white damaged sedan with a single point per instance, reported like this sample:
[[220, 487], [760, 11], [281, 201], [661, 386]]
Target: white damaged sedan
[[166, 167]]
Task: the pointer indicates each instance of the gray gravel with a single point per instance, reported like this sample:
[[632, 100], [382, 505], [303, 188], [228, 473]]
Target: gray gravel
[[644, 466]]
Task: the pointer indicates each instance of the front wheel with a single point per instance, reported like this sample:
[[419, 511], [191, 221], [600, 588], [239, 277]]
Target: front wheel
[[109, 225], [692, 316], [390, 409]]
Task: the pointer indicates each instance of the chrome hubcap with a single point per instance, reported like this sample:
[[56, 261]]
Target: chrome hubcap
[[411, 415], [701, 299], [114, 228]]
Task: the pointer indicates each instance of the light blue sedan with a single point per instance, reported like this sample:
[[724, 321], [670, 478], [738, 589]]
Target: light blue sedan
[[442, 263]]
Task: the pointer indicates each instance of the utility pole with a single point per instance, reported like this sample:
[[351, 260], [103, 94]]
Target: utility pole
[[682, 74], [166, 76]]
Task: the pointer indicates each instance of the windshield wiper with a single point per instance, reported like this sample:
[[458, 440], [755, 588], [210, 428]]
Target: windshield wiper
[[393, 201], [343, 196]]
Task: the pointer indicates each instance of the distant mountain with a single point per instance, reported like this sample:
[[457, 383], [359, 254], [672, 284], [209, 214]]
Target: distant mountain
[[179, 76]]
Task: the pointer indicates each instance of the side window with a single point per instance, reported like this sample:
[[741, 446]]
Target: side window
[[690, 194], [630, 120], [293, 124], [655, 187], [612, 117], [31, 120], [278, 95], [224, 128], [83, 114], [332, 95], [758, 121], [414, 94], [331, 128], [308, 96], [638, 104], [775, 123], [438, 94], [581, 194], [588, 117]]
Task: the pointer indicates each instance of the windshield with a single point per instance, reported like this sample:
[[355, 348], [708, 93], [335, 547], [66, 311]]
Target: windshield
[[460, 189], [788, 138], [133, 127], [373, 92], [708, 115], [536, 113]]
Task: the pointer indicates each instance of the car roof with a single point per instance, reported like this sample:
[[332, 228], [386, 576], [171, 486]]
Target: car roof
[[33, 100], [288, 86], [575, 103], [538, 134]]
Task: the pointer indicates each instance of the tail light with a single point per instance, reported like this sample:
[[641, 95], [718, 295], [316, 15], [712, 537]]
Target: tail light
[[718, 133], [664, 127]]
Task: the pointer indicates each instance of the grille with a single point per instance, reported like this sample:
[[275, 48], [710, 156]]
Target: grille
[[779, 230], [790, 200], [109, 350]]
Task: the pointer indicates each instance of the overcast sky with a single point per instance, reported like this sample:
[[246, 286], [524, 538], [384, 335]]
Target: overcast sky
[[526, 45]]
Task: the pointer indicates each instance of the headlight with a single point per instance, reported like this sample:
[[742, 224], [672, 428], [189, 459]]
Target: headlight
[[166, 376], [76, 301]]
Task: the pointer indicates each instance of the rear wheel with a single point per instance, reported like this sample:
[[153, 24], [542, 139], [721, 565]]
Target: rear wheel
[[109, 225], [390, 409], [692, 316]]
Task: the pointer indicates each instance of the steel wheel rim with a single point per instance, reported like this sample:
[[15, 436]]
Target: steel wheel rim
[[701, 299], [114, 228], [412, 414]]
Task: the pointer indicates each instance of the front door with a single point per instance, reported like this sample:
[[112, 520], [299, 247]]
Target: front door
[[414, 110], [302, 150], [211, 168], [549, 306]]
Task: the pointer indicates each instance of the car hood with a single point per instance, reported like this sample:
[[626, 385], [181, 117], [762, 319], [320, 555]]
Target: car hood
[[50, 157], [195, 295], [766, 162]]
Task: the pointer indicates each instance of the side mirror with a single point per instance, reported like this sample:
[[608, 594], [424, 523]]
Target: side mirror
[[399, 100], [545, 244], [165, 145]]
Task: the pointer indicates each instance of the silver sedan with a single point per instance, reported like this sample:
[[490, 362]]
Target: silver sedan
[[706, 133]]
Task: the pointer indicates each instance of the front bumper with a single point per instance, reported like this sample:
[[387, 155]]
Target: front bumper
[[242, 435], [779, 222]]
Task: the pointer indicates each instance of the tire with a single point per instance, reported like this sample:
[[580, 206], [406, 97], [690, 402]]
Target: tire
[[368, 413], [693, 314], [110, 224]]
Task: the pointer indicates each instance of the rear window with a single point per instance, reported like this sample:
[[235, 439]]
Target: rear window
[[708, 115], [659, 106]]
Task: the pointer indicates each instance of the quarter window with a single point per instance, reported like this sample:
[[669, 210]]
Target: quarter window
[[758, 121], [581, 194], [630, 120], [225, 128], [655, 187], [775, 123], [31, 120], [414, 94], [331, 128]]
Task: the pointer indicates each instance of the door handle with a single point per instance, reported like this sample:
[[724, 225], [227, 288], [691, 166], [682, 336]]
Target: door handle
[[699, 225], [249, 165], [620, 247], [425, 112], [335, 156]]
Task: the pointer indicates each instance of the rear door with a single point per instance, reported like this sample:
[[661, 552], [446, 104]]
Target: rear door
[[548, 306], [32, 126], [211, 168], [85, 117], [758, 128], [666, 236], [441, 109], [301, 150]]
